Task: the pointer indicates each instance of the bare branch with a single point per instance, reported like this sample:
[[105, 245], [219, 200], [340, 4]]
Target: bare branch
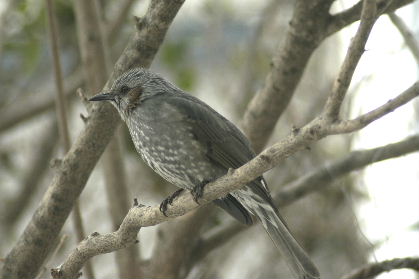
[[14, 207], [343, 19], [60, 100], [372, 270], [61, 108], [95, 57], [355, 51], [310, 25], [144, 216], [34, 105], [409, 38], [116, 24], [14, 114], [28, 254], [172, 255], [322, 177], [348, 126], [314, 181], [288, 63]]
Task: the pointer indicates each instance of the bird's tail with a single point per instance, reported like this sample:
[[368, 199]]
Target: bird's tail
[[262, 207]]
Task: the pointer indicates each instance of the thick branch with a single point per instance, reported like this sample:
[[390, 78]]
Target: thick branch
[[94, 52], [310, 25], [35, 243], [372, 270], [288, 63]]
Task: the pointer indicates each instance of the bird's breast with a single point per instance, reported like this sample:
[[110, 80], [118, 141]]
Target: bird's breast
[[170, 149]]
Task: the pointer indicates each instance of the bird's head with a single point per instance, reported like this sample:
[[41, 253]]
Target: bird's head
[[132, 88]]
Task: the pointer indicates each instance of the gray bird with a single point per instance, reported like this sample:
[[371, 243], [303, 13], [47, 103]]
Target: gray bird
[[189, 144]]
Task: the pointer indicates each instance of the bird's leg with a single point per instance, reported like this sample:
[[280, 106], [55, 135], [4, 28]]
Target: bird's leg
[[169, 200], [198, 190]]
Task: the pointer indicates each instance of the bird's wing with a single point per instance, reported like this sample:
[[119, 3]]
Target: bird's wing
[[226, 144]]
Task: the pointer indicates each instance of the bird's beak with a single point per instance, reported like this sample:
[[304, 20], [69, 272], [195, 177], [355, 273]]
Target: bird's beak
[[103, 97]]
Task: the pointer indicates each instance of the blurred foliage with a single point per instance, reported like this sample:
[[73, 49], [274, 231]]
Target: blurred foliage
[[25, 50], [175, 56]]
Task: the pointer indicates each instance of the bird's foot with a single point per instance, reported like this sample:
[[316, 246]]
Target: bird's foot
[[198, 191], [169, 200]]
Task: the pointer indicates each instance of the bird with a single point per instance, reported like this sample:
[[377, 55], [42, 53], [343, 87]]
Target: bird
[[189, 144]]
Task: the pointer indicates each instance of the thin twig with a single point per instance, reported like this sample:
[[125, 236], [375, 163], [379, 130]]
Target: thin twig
[[324, 176], [31, 181], [60, 100], [407, 35], [62, 118], [94, 49], [355, 51], [116, 24], [14, 114], [374, 269], [348, 126], [342, 19]]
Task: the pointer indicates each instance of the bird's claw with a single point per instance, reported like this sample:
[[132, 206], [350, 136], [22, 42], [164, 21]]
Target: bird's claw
[[198, 191], [169, 200]]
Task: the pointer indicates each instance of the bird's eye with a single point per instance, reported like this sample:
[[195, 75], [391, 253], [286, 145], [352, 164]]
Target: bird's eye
[[124, 89]]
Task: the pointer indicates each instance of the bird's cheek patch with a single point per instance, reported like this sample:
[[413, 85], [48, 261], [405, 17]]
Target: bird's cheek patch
[[134, 95], [134, 98]]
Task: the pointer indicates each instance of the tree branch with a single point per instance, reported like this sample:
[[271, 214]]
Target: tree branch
[[35, 243], [14, 114], [343, 19], [355, 51], [114, 26], [372, 270], [288, 63], [95, 57], [61, 109], [310, 25], [409, 38], [322, 177], [315, 181], [348, 126], [145, 216], [16, 206]]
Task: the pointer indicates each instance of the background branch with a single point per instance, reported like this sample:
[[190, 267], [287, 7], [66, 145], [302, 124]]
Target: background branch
[[316, 180], [372, 270], [409, 38], [355, 51], [342, 19], [349, 126], [61, 108], [15, 207], [95, 57], [304, 35], [27, 256], [35, 105]]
